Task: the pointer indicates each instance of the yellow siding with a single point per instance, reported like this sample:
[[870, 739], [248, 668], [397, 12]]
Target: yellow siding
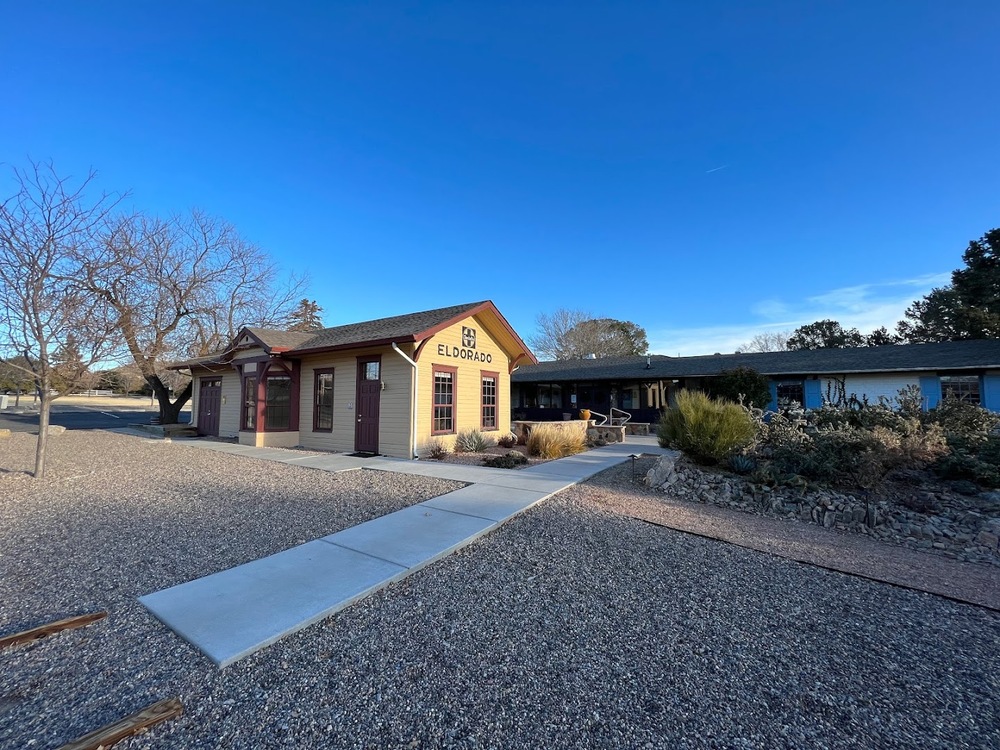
[[394, 404], [441, 350]]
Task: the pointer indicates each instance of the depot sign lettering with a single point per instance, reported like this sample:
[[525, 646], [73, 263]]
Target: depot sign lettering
[[467, 350]]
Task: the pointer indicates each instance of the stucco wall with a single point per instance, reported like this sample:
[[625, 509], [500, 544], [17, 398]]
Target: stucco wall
[[873, 386]]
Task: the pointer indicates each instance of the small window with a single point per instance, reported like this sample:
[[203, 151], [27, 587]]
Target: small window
[[443, 421], [961, 387], [323, 401], [371, 371], [791, 394], [249, 404], [489, 401], [278, 403]]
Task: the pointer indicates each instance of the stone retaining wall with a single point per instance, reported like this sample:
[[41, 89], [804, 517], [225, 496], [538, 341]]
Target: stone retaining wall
[[966, 529]]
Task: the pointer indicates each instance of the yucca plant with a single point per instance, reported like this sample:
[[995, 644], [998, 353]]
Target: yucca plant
[[472, 441]]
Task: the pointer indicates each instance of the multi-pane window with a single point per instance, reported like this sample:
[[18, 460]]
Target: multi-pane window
[[323, 401], [444, 402], [249, 403], [489, 401], [278, 403], [791, 394], [960, 387]]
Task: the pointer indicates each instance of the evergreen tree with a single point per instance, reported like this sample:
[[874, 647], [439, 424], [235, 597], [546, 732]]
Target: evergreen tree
[[306, 317], [969, 307], [824, 334]]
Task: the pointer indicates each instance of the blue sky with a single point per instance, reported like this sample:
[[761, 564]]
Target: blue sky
[[706, 170]]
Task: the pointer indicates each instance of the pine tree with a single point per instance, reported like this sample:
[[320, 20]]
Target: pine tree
[[306, 317]]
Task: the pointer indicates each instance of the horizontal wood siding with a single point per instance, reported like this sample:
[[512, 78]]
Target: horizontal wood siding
[[229, 414], [394, 403], [468, 383]]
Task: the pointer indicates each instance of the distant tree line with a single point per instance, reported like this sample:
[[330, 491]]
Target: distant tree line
[[967, 308]]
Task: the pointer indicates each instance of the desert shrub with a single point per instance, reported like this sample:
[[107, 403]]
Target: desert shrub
[[548, 441], [739, 382], [961, 464], [705, 429], [437, 450], [507, 441], [472, 441], [509, 460], [962, 421]]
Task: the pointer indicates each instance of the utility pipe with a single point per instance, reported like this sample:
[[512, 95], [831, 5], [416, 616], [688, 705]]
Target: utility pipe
[[413, 400]]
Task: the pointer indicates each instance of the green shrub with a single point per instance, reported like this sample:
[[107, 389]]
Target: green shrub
[[741, 382], [548, 441], [472, 441], [705, 429], [509, 460], [962, 421]]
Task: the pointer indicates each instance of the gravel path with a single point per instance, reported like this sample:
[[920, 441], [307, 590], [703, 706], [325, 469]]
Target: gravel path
[[801, 541], [570, 627]]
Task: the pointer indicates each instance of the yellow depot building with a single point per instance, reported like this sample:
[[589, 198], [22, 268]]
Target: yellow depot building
[[392, 386]]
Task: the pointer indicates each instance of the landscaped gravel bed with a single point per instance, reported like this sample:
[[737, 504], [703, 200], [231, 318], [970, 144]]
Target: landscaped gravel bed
[[568, 627]]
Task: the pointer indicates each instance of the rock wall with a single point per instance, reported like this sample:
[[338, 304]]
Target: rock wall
[[965, 529]]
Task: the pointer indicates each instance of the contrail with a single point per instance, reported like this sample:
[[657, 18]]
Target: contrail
[[709, 171]]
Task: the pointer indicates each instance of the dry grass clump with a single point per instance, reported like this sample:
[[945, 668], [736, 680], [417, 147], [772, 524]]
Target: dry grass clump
[[547, 441]]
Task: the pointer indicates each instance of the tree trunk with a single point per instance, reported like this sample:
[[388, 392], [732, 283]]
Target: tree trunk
[[43, 434], [169, 411]]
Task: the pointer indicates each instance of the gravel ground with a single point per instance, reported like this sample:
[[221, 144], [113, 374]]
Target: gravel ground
[[570, 627]]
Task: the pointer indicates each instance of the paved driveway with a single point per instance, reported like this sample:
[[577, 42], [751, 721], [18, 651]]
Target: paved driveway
[[76, 417]]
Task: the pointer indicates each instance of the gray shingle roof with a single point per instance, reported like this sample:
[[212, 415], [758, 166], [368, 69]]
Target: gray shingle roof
[[950, 355], [397, 328], [281, 339]]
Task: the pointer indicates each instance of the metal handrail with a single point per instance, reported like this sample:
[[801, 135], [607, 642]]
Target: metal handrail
[[604, 418], [619, 421]]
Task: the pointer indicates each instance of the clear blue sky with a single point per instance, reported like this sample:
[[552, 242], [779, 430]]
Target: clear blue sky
[[707, 170]]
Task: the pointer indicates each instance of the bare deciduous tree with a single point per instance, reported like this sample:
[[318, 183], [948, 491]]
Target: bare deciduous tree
[[183, 287], [769, 341], [51, 328], [573, 334]]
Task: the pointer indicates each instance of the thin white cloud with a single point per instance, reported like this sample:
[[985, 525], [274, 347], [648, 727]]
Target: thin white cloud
[[863, 306]]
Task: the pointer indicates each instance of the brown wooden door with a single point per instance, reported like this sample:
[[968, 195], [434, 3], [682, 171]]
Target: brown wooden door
[[367, 404], [209, 406]]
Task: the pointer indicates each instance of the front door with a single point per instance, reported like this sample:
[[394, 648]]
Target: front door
[[209, 405], [367, 404]]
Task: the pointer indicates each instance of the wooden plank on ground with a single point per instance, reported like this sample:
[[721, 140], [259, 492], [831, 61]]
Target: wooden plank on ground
[[108, 735], [33, 634]]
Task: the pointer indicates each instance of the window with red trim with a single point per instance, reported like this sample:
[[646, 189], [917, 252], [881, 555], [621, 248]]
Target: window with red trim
[[443, 418], [323, 401], [489, 400]]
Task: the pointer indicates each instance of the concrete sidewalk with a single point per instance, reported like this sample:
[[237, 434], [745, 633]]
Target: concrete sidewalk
[[233, 613]]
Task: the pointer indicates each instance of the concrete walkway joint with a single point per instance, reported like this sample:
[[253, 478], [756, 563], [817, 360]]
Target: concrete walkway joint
[[233, 613]]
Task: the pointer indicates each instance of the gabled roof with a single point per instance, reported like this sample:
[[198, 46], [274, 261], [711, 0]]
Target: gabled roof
[[399, 328], [278, 341], [949, 355], [413, 327]]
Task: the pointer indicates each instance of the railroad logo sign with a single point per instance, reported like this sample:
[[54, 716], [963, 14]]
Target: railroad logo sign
[[468, 337]]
